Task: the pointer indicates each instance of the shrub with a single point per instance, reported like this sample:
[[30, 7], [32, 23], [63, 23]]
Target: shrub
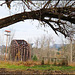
[[34, 58], [64, 62]]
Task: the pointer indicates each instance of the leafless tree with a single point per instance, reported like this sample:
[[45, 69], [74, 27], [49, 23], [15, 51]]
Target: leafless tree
[[68, 50], [60, 17], [43, 49], [73, 52]]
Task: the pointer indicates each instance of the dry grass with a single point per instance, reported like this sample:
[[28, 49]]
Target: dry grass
[[72, 64], [33, 65], [27, 63]]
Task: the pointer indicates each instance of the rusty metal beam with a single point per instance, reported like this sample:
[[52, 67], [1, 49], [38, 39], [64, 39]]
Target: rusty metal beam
[[20, 50]]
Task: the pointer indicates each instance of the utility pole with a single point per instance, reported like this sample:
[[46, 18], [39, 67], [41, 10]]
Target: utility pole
[[71, 50], [8, 34]]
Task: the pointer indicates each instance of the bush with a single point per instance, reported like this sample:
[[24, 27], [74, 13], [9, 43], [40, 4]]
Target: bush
[[34, 58], [64, 62]]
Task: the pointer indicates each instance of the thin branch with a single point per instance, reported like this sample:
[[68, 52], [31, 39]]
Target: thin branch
[[46, 21], [67, 3], [57, 3], [26, 4], [47, 3], [2, 3], [72, 4]]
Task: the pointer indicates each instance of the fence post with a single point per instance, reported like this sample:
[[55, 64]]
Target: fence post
[[42, 63], [55, 61]]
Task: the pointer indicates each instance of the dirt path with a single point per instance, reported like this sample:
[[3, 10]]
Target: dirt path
[[4, 71]]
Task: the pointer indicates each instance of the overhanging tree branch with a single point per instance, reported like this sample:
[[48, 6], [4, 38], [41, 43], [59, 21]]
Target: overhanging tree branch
[[62, 14]]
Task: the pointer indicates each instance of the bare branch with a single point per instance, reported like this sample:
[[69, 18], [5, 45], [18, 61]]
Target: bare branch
[[46, 21], [47, 3], [57, 3], [67, 3], [62, 14]]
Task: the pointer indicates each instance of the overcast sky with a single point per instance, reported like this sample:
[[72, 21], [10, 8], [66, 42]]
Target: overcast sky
[[27, 30]]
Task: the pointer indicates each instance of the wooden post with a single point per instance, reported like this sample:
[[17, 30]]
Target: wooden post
[[6, 47], [42, 63], [6, 42], [55, 61], [71, 52]]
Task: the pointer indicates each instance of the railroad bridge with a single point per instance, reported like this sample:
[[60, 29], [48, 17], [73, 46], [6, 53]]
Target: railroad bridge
[[20, 50]]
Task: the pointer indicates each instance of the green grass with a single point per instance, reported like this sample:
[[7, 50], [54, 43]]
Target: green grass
[[18, 67], [37, 67], [51, 67]]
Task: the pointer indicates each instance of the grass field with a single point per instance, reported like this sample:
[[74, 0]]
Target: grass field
[[36, 66]]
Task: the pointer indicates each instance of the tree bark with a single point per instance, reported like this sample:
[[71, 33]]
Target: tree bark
[[40, 15], [34, 15]]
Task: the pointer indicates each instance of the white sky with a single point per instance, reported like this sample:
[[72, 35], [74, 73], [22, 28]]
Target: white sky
[[27, 30]]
